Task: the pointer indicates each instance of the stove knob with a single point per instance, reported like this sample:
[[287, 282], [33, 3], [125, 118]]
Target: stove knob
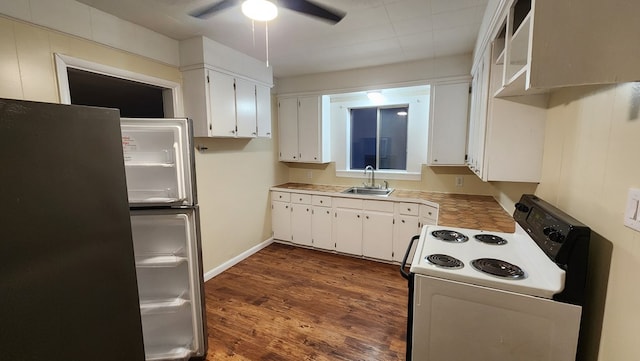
[[521, 207], [556, 236]]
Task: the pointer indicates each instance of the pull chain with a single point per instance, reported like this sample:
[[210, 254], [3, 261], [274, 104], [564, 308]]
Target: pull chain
[[266, 32], [253, 32]]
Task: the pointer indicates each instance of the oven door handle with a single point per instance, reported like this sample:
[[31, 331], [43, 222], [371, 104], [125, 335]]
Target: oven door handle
[[404, 273]]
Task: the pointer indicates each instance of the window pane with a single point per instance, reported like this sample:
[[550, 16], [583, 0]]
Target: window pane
[[363, 137], [393, 138]]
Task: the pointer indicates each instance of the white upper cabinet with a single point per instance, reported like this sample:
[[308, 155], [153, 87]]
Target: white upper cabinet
[[549, 44], [263, 110], [448, 123], [288, 129], [226, 93], [246, 109], [223, 105], [303, 134], [506, 135]]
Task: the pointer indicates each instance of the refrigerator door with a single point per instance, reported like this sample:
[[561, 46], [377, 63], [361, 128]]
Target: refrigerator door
[[170, 283], [67, 278], [158, 162]]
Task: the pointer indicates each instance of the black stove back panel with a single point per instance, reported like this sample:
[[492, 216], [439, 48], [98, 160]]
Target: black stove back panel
[[563, 238]]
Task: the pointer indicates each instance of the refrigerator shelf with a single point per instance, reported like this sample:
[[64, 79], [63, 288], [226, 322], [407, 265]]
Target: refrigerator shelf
[[160, 261], [163, 306], [161, 353], [149, 164]]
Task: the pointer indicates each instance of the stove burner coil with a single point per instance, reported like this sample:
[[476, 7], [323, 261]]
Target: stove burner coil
[[490, 239], [449, 236], [444, 261], [498, 268]]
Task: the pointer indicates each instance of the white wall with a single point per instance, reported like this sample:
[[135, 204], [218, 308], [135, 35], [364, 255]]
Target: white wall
[[590, 162], [386, 76], [74, 18]]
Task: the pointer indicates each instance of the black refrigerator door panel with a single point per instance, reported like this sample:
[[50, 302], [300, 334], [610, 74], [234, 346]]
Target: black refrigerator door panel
[[68, 287]]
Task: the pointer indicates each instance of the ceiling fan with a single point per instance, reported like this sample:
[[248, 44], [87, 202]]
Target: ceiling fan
[[305, 7]]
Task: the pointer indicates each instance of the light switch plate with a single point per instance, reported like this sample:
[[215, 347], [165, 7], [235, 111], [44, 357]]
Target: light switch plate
[[632, 212]]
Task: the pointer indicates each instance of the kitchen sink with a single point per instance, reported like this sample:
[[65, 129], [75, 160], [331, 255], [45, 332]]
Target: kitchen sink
[[367, 191]]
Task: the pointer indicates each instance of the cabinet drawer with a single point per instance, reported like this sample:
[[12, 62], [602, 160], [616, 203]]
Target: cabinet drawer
[[428, 212], [409, 209], [322, 201], [347, 203], [280, 196], [301, 198], [380, 206]]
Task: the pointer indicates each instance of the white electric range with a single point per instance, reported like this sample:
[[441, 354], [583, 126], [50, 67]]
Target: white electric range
[[484, 296]]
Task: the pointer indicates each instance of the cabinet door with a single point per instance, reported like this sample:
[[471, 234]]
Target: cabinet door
[[263, 110], [281, 220], [222, 101], [246, 118], [347, 230], [478, 116], [321, 228], [309, 128], [405, 228], [301, 224], [288, 129], [448, 125], [377, 235]]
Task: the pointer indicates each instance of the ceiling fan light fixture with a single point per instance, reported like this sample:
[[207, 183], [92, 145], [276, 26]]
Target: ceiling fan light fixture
[[259, 10]]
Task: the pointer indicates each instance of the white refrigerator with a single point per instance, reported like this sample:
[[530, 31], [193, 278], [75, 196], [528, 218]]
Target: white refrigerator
[[160, 174]]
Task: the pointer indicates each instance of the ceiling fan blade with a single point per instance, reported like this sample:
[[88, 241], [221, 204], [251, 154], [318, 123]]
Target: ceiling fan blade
[[206, 11], [307, 7]]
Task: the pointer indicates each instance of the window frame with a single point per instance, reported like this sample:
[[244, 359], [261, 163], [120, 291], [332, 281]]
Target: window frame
[[418, 99]]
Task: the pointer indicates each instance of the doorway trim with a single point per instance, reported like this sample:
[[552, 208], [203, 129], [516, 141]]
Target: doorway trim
[[171, 93]]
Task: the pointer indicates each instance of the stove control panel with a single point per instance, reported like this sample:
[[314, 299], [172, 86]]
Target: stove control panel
[[553, 230]]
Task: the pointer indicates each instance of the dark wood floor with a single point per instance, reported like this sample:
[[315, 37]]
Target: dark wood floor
[[290, 303]]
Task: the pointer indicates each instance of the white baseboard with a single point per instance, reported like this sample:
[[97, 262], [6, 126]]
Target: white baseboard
[[237, 259]]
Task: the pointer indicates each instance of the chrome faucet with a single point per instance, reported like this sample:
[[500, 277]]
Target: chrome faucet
[[372, 184]]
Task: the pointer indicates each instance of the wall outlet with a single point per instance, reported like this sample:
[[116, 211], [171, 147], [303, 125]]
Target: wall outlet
[[309, 174], [459, 181], [632, 213]]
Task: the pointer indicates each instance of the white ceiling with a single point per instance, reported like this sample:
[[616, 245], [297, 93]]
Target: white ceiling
[[374, 32]]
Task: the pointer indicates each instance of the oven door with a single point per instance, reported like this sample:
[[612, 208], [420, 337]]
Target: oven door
[[458, 321]]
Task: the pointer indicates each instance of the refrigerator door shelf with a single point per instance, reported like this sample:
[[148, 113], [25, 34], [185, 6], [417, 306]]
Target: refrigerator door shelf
[[165, 333], [160, 261], [161, 158], [164, 306], [162, 353]]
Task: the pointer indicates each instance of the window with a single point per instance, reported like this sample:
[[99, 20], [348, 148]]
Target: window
[[379, 138]]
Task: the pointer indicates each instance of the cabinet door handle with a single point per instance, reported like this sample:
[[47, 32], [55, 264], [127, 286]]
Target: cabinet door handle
[[403, 221], [358, 216], [367, 217]]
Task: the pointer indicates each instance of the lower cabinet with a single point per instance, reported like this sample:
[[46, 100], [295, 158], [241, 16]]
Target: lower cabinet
[[321, 219], [281, 215], [377, 230], [404, 229], [355, 226], [301, 219], [347, 225]]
